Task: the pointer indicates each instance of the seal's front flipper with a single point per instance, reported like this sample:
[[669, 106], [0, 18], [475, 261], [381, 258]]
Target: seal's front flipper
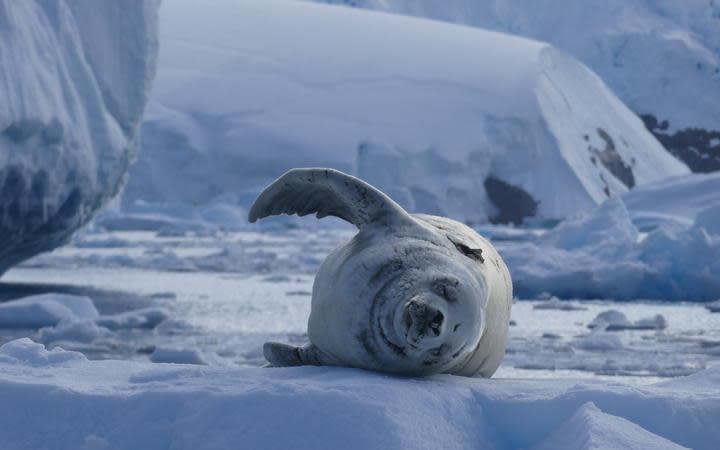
[[284, 355], [327, 192]]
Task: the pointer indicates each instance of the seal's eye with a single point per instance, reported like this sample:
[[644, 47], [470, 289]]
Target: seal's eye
[[446, 288]]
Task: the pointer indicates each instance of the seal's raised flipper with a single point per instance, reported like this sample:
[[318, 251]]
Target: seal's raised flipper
[[327, 192], [284, 355]]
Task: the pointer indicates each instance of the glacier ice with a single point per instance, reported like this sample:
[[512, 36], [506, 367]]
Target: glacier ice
[[661, 57], [74, 79], [452, 120]]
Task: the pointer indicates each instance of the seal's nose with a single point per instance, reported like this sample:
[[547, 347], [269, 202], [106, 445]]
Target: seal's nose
[[422, 321]]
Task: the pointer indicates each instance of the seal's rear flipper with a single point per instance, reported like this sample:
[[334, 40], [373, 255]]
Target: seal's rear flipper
[[327, 192], [284, 355]]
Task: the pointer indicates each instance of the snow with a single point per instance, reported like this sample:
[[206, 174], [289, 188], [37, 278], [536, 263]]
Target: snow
[[429, 118], [75, 78], [659, 57], [183, 406]]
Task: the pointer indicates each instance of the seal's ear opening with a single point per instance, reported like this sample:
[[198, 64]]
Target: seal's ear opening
[[472, 253]]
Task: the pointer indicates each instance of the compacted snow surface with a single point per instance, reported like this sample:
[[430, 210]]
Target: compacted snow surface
[[76, 403]]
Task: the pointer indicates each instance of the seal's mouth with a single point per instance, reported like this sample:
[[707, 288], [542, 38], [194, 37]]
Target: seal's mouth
[[422, 322]]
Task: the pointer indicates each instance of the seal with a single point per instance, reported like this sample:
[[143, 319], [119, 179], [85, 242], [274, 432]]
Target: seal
[[409, 294]]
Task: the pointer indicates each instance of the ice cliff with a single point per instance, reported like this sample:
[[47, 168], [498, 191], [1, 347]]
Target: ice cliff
[[74, 79], [448, 119], [661, 57]]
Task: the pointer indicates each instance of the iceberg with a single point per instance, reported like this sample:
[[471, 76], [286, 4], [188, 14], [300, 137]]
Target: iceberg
[[74, 79], [661, 57], [449, 119]]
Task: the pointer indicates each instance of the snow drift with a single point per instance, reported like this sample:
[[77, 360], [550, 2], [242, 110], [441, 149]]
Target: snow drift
[[74, 77], [448, 119], [53, 399], [661, 57]]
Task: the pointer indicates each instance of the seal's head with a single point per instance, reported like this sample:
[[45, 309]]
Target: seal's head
[[426, 311]]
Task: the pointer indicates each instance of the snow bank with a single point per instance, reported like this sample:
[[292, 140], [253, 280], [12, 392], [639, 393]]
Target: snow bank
[[599, 255], [448, 119], [661, 57], [74, 77], [72, 402]]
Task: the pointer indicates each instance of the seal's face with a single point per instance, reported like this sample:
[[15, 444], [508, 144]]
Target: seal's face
[[428, 311]]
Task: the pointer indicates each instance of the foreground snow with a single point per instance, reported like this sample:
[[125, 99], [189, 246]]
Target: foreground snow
[[437, 118], [74, 79], [59, 400]]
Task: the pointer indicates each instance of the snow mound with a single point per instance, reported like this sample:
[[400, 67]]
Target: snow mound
[[599, 255], [45, 310], [661, 57], [450, 120], [590, 428], [177, 356], [74, 80], [52, 400]]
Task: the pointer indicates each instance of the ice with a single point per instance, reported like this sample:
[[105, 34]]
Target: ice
[[662, 58], [713, 306], [160, 405], [600, 341], [556, 303], [45, 310], [600, 255], [74, 81], [450, 120], [607, 226], [610, 317], [139, 318], [82, 331], [677, 199]]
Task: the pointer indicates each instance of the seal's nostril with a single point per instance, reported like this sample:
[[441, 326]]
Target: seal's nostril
[[436, 322]]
